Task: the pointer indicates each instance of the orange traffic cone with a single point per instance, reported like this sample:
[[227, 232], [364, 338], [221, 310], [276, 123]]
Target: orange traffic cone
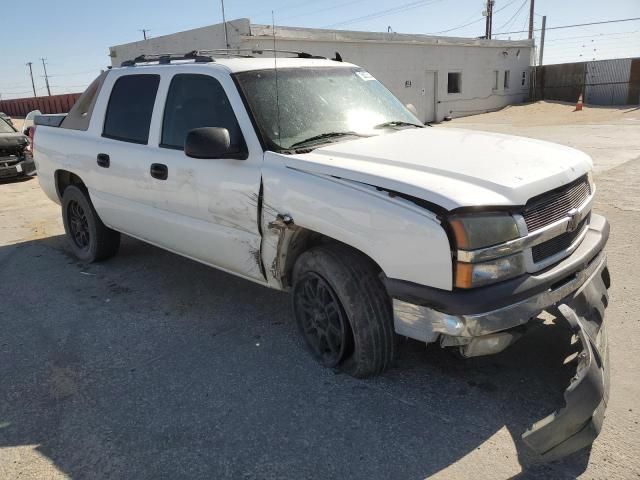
[[579, 104]]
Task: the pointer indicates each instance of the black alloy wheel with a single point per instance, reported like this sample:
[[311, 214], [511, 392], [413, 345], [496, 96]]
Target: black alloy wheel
[[322, 320], [79, 225]]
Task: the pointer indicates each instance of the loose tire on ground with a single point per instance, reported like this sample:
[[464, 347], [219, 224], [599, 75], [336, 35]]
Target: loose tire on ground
[[336, 273], [89, 238]]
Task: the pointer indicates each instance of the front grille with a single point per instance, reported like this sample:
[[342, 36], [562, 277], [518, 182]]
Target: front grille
[[557, 244], [552, 206]]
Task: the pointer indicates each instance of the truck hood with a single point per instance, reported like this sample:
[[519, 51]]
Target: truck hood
[[450, 167]]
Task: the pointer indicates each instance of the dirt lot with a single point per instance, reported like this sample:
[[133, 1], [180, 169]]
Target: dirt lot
[[153, 366]]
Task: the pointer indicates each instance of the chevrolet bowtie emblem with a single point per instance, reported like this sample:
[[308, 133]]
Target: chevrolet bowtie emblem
[[572, 224]]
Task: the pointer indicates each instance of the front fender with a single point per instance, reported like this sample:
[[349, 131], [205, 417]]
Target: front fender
[[404, 239]]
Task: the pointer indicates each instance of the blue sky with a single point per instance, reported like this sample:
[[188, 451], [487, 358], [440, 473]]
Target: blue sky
[[74, 35]]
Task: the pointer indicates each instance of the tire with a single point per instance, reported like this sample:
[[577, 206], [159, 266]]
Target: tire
[[343, 311], [89, 238]]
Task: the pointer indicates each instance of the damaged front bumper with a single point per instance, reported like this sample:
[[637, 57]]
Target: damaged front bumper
[[10, 167], [575, 291]]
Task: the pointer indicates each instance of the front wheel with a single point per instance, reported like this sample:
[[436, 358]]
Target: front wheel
[[89, 238], [343, 311]]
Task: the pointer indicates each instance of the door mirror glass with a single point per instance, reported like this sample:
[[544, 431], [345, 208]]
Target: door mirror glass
[[209, 142]]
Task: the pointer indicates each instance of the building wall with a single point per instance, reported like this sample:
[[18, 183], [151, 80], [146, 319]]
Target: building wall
[[210, 37], [408, 70]]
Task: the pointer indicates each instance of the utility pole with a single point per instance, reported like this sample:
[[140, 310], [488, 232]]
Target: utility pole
[[224, 21], [144, 32], [531, 14], [46, 77], [489, 22], [31, 75], [544, 27]]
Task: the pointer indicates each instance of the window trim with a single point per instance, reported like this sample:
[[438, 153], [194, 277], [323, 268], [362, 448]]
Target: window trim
[[243, 154], [459, 73], [496, 81], [104, 121], [506, 81]]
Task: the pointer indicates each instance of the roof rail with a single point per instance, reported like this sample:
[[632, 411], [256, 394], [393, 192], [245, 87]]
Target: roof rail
[[167, 58], [205, 56]]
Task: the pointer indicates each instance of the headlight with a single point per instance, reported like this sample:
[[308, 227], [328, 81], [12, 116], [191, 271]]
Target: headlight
[[483, 230], [476, 231]]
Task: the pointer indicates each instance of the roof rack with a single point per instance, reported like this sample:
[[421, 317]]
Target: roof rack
[[167, 58], [205, 56]]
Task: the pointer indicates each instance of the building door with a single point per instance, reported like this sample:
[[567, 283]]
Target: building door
[[429, 96]]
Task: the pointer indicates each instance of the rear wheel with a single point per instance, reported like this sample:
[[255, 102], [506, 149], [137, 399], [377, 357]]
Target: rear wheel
[[343, 311], [89, 238]]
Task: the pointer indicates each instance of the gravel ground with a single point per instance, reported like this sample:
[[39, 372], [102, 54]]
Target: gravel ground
[[153, 366]]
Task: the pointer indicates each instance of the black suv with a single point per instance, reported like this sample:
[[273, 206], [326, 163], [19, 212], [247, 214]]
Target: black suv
[[15, 156]]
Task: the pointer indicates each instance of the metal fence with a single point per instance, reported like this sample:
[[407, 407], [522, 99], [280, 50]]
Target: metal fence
[[602, 82], [19, 107]]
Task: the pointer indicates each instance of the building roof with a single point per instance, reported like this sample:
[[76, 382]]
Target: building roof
[[348, 36]]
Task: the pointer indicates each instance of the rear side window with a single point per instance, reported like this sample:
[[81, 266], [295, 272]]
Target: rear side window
[[130, 108], [196, 101]]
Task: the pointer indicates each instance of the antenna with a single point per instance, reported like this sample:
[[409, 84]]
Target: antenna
[[275, 68], [224, 22]]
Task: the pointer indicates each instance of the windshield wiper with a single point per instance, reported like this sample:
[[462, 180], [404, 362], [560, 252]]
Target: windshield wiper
[[324, 136], [398, 123]]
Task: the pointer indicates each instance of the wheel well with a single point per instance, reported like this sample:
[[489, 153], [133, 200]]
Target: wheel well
[[302, 240], [65, 178]]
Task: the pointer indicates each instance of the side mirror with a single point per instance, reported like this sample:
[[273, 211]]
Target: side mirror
[[210, 142], [412, 108]]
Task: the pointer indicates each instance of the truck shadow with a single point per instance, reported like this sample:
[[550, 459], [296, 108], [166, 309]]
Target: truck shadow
[[153, 366]]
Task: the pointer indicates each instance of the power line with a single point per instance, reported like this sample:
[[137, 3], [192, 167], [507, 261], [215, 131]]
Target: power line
[[514, 16], [573, 26], [481, 19], [384, 13]]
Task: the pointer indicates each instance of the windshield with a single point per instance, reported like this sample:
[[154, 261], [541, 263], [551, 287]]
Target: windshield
[[317, 105], [5, 127]]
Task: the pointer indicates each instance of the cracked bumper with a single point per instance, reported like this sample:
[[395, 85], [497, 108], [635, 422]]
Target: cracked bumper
[[26, 167], [578, 423]]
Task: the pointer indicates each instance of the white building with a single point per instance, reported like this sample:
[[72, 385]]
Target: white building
[[440, 76]]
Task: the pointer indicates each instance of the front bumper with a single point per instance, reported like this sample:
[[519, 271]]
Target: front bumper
[[575, 291], [17, 169]]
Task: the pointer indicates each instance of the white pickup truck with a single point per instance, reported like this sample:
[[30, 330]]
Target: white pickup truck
[[313, 178]]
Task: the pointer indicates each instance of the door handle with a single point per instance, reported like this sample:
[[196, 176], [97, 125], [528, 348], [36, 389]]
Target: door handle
[[159, 171], [103, 160]]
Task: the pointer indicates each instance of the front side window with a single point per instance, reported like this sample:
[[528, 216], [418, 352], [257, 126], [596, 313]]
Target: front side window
[[454, 80], [196, 101], [130, 108], [319, 103], [507, 74], [524, 79], [496, 79]]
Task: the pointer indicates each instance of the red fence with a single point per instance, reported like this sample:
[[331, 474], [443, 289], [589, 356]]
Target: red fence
[[19, 107]]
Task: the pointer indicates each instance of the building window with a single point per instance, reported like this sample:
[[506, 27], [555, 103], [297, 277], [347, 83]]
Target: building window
[[454, 81], [496, 79], [524, 79], [507, 74]]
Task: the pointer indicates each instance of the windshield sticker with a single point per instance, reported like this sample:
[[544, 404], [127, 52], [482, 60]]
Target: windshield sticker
[[366, 76]]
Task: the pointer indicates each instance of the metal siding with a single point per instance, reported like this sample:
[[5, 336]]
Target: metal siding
[[608, 82], [19, 107]]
